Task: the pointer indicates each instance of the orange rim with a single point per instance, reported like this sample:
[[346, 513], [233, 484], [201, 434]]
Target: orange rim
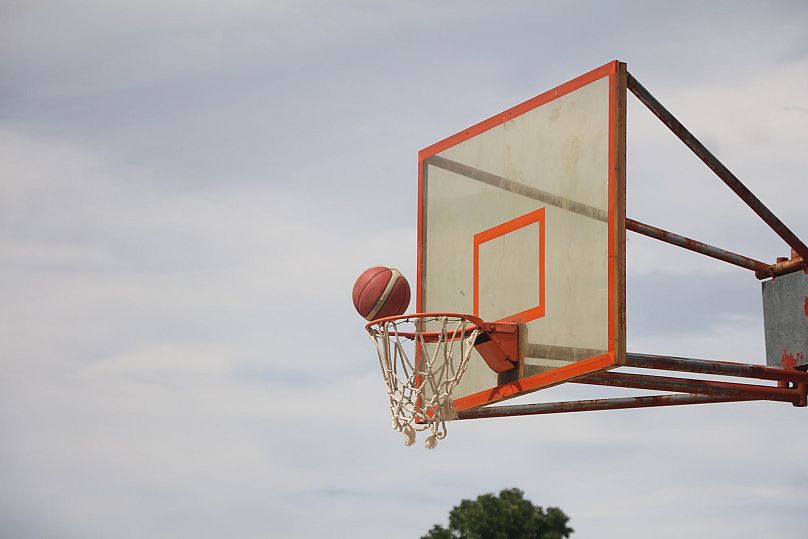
[[474, 323]]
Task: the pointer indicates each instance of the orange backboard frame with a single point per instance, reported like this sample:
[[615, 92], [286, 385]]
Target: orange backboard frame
[[616, 73], [498, 231]]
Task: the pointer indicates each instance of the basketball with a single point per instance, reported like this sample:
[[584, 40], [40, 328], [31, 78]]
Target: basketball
[[380, 292]]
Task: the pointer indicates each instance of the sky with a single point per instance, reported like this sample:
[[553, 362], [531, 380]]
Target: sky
[[189, 189]]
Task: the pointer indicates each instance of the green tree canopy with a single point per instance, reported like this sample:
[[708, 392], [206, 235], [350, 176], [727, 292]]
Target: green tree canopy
[[507, 516]]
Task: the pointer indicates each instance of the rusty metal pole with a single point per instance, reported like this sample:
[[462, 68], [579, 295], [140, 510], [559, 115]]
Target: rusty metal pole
[[696, 246], [716, 166], [592, 405], [722, 368], [690, 385], [783, 267]]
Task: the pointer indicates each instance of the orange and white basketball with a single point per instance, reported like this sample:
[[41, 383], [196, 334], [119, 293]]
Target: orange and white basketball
[[381, 291]]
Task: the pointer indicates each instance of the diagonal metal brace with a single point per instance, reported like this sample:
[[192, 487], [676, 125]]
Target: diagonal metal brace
[[716, 166]]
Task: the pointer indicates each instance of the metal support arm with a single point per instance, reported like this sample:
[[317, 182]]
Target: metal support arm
[[722, 368], [717, 166], [792, 387], [697, 246], [690, 385], [591, 405]]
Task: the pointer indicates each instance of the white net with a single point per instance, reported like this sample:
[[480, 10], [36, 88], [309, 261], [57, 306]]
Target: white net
[[422, 358]]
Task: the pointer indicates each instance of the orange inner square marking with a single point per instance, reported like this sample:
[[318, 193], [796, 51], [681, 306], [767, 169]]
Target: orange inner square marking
[[534, 217]]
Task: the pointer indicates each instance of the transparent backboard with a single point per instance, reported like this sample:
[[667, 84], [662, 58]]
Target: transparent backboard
[[522, 219]]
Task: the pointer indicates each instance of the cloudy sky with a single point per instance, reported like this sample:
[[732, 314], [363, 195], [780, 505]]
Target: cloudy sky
[[189, 188]]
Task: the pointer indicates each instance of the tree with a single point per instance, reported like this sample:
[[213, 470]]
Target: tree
[[507, 516]]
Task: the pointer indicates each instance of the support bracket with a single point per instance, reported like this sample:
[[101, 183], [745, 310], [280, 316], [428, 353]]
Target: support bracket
[[498, 344]]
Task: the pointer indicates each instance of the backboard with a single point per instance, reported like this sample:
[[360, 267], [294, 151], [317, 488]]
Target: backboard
[[521, 218]]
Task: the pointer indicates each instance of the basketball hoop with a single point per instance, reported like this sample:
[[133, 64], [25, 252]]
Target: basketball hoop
[[423, 356]]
